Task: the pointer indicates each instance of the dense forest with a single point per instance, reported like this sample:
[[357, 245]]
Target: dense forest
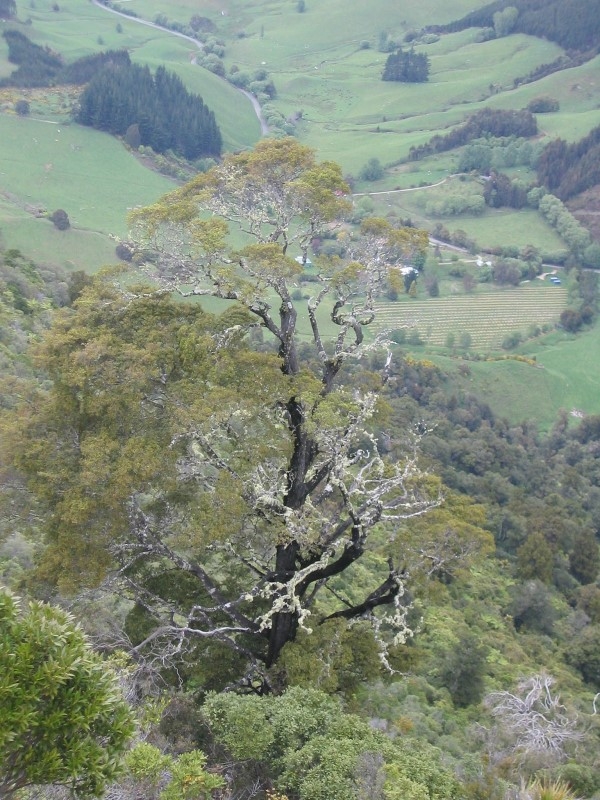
[[573, 24], [569, 169], [165, 115], [487, 122]]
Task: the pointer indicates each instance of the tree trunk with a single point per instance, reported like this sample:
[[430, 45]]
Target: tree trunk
[[284, 625]]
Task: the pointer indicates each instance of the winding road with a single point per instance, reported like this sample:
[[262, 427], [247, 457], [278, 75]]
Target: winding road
[[264, 128]]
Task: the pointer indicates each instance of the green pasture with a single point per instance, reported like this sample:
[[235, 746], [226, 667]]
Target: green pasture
[[326, 25], [493, 228], [45, 166], [487, 316], [74, 249], [349, 112], [564, 377], [576, 89], [81, 28], [498, 227]]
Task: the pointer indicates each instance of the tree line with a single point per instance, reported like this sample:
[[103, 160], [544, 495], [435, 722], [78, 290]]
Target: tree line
[[41, 66], [167, 116], [573, 24], [568, 169], [486, 122]]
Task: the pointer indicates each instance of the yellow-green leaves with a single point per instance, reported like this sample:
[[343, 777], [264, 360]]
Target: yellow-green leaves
[[62, 721], [178, 778], [267, 262]]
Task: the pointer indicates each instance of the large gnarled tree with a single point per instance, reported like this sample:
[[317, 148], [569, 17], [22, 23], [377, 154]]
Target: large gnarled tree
[[251, 479]]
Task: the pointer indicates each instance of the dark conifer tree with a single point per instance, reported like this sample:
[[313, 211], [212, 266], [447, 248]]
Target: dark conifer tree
[[8, 8], [406, 66], [168, 116]]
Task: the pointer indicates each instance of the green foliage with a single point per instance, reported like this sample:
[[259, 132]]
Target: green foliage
[[168, 117], [488, 121], [505, 21], [124, 436], [22, 108], [462, 671], [334, 658], [584, 560], [60, 219], [406, 66], [532, 608], [317, 752], [187, 777], [63, 721], [584, 654], [568, 169], [372, 170], [543, 104], [535, 559], [558, 215], [37, 65]]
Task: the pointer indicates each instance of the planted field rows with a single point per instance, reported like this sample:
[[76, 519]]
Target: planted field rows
[[488, 318]]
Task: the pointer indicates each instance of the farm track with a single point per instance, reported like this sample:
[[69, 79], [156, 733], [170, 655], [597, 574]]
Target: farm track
[[487, 318]]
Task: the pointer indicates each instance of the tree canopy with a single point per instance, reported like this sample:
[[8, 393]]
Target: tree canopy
[[406, 66], [168, 116]]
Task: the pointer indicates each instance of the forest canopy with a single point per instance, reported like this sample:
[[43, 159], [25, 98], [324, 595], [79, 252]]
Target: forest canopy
[[406, 66], [573, 24], [167, 116]]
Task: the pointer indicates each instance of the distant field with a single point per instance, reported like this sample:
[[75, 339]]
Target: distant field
[[88, 174], [488, 317], [80, 28], [325, 63], [563, 378]]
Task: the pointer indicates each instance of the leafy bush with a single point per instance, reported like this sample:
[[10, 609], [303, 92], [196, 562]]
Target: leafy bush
[[372, 170], [60, 218], [63, 721], [543, 105]]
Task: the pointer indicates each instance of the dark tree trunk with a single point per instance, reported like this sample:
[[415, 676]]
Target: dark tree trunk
[[284, 625]]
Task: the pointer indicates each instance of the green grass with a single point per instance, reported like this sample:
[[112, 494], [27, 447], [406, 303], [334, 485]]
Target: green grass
[[564, 378], [87, 173], [73, 249]]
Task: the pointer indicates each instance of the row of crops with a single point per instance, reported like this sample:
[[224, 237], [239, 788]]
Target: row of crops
[[488, 318]]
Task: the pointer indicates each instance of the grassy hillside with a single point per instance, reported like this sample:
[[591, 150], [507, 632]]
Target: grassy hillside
[[325, 63], [49, 165], [562, 379]]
